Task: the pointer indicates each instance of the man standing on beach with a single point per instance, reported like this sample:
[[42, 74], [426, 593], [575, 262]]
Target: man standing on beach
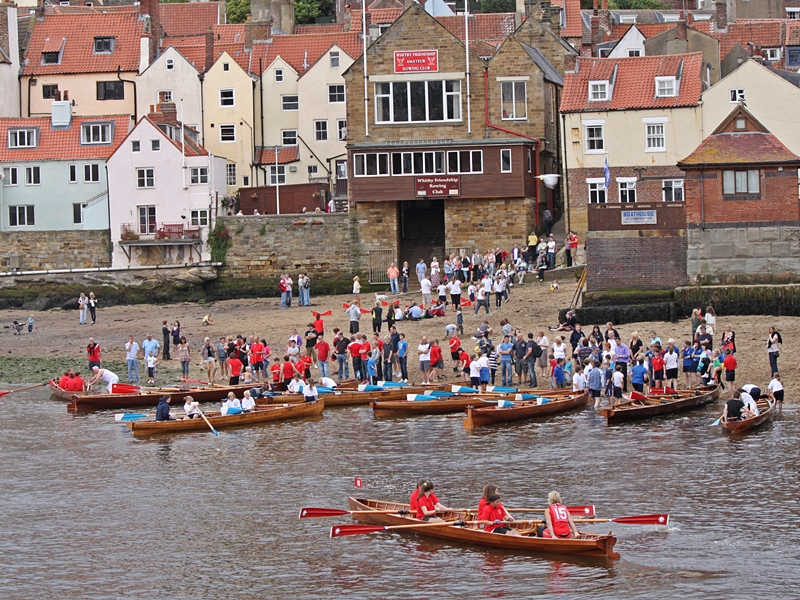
[[393, 273], [424, 351], [165, 333], [132, 357], [93, 352]]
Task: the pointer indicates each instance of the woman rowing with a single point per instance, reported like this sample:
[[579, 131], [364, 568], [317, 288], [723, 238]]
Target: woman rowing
[[428, 504], [493, 515], [558, 521], [190, 408], [413, 505]]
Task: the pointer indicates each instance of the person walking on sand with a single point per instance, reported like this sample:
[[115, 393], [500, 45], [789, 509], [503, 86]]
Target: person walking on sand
[[357, 291], [83, 304], [93, 307]]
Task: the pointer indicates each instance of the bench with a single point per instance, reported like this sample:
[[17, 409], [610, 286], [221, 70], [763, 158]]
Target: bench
[[170, 231]]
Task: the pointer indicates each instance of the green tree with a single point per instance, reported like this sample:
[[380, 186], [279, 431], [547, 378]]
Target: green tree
[[306, 11], [237, 10], [498, 6]]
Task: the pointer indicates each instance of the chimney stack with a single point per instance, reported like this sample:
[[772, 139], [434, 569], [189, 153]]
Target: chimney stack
[[256, 30], [209, 48], [150, 9], [682, 28], [722, 15], [169, 112]]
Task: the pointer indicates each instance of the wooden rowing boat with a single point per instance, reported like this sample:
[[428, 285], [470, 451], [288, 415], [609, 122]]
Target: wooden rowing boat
[[766, 411], [348, 397], [479, 416], [90, 401], [261, 415], [657, 405], [589, 544]]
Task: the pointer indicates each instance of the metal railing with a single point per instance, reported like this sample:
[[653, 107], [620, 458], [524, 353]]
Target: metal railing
[[379, 262]]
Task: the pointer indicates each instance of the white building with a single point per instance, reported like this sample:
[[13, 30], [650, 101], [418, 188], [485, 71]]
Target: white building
[[9, 62]]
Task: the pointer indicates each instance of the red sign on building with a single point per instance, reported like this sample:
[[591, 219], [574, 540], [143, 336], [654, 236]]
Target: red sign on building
[[435, 186], [416, 61]]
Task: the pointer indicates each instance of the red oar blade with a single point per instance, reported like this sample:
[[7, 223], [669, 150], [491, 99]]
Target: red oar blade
[[581, 511], [342, 530], [4, 393], [644, 520], [308, 513]]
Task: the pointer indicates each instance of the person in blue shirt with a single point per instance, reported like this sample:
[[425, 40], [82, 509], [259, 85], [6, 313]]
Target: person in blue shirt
[[402, 357], [504, 350], [162, 412], [421, 269], [558, 373], [150, 345], [689, 366], [595, 382], [639, 375], [372, 370], [414, 312], [30, 324]]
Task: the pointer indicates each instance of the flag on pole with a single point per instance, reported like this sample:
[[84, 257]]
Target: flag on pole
[[607, 174], [358, 483]]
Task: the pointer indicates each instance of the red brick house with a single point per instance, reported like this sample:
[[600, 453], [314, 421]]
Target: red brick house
[[742, 206]]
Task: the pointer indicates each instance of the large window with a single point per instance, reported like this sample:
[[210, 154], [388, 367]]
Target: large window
[[110, 90], [404, 101], [91, 173], [227, 133], [230, 172], [321, 131], [147, 220], [655, 137], [198, 218], [33, 176], [97, 133], [289, 103], [198, 175], [370, 165], [597, 191], [594, 138], [21, 216], [226, 97], [145, 178], [627, 191], [10, 176], [417, 163], [672, 190], [740, 182], [505, 160], [465, 161], [277, 175], [22, 138], [289, 137], [513, 100], [49, 92], [335, 94]]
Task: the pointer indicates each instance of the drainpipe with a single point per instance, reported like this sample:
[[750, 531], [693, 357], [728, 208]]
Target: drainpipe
[[201, 77], [29, 97], [261, 110], [135, 95], [564, 169], [469, 96], [364, 33], [702, 200]]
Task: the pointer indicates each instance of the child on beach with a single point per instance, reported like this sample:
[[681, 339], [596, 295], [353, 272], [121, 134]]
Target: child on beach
[[460, 321], [618, 379], [30, 324], [150, 361]]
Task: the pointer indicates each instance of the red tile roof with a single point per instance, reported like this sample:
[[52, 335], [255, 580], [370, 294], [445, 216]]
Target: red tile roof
[[633, 85], [302, 51], [182, 18], [319, 28], [227, 38], [768, 33], [379, 15], [80, 31], [740, 148], [286, 154], [190, 148], [574, 26], [793, 33], [62, 143]]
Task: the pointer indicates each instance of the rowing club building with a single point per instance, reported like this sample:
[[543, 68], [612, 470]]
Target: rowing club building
[[446, 152]]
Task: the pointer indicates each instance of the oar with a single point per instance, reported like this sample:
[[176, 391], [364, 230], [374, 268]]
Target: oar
[[634, 520], [194, 381], [717, 422], [342, 530], [214, 431], [24, 388], [307, 512], [585, 511], [134, 416]]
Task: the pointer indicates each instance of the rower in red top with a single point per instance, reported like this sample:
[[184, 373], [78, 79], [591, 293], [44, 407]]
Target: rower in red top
[[412, 502], [558, 520], [76, 383], [63, 382], [428, 504], [493, 513], [288, 370]]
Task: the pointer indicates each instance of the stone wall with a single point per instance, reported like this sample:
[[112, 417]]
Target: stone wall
[[43, 250], [744, 253], [487, 223]]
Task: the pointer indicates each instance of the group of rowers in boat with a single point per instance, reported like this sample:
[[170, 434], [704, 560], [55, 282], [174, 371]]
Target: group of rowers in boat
[[743, 404], [493, 515]]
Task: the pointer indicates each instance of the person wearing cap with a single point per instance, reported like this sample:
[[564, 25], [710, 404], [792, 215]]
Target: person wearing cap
[[162, 412]]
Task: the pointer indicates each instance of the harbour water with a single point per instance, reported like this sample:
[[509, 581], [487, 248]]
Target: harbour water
[[91, 512]]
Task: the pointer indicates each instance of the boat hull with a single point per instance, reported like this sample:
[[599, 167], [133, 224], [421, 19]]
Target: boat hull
[[637, 410], [767, 411], [245, 419], [80, 402], [589, 545], [483, 416], [448, 405]]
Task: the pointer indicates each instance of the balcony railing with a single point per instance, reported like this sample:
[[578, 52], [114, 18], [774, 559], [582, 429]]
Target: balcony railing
[[161, 231]]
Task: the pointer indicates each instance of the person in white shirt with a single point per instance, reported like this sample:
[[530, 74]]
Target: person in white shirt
[[775, 389], [483, 369], [190, 408], [230, 402], [248, 403], [578, 380], [617, 380], [671, 358], [750, 407], [455, 292], [424, 352], [471, 290], [310, 393], [487, 284], [296, 385], [425, 288], [327, 382], [475, 372], [559, 349]]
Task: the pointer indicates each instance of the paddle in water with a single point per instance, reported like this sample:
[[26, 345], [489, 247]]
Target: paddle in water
[[214, 431], [28, 387], [342, 530], [308, 512]]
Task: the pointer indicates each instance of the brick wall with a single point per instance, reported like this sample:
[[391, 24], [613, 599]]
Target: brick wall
[[631, 259], [41, 250]]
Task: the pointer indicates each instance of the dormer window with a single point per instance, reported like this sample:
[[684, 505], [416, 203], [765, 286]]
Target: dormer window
[[666, 87], [598, 91], [103, 45], [671, 18], [96, 133], [627, 19], [22, 138], [51, 58]]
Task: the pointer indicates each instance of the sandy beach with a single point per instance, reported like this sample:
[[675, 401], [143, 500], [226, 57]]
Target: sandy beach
[[59, 341]]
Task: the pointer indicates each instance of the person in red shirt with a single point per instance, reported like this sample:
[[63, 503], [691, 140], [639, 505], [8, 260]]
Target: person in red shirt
[[76, 383], [730, 371], [428, 504], [319, 324], [275, 369], [657, 362], [412, 502], [236, 366], [323, 349], [93, 352], [354, 349], [304, 366], [493, 513], [288, 370], [256, 358], [437, 363], [364, 351], [455, 345], [64, 381], [465, 361], [558, 521]]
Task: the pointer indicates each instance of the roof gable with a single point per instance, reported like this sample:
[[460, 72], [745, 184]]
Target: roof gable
[[302, 51], [733, 122]]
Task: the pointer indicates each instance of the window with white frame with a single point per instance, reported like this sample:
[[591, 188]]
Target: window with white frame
[[103, 45], [633, 53], [370, 165], [595, 142], [227, 133], [627, 190], [335, 94], [465, 161], [289, 103], [598, 91], [145, 178], [91, 173], [21, 216], [654, 133], [672, 190], [77, 213], [505, 160], [597, 191], [341, 130], [155, 145], [671, 17], [278, 75], [772, 54], [22, 138], [226, 97], [416, 101], [198, 175], [321, 131], [512, 100], [96, 133], [165, 95], [136, 146], [289, 137], [230, 173], [73, 173], [666, 87], [792, 13], [741, 182], [10, 176], [198, 218], [313, 170], [147, 220], [418, 163], [226, 67], [736, 95], [33, 176], [277, 175], [627, 19], [334, 60], [170, 64]]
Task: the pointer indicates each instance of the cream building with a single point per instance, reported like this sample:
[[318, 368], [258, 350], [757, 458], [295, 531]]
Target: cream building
[[9, 62]]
